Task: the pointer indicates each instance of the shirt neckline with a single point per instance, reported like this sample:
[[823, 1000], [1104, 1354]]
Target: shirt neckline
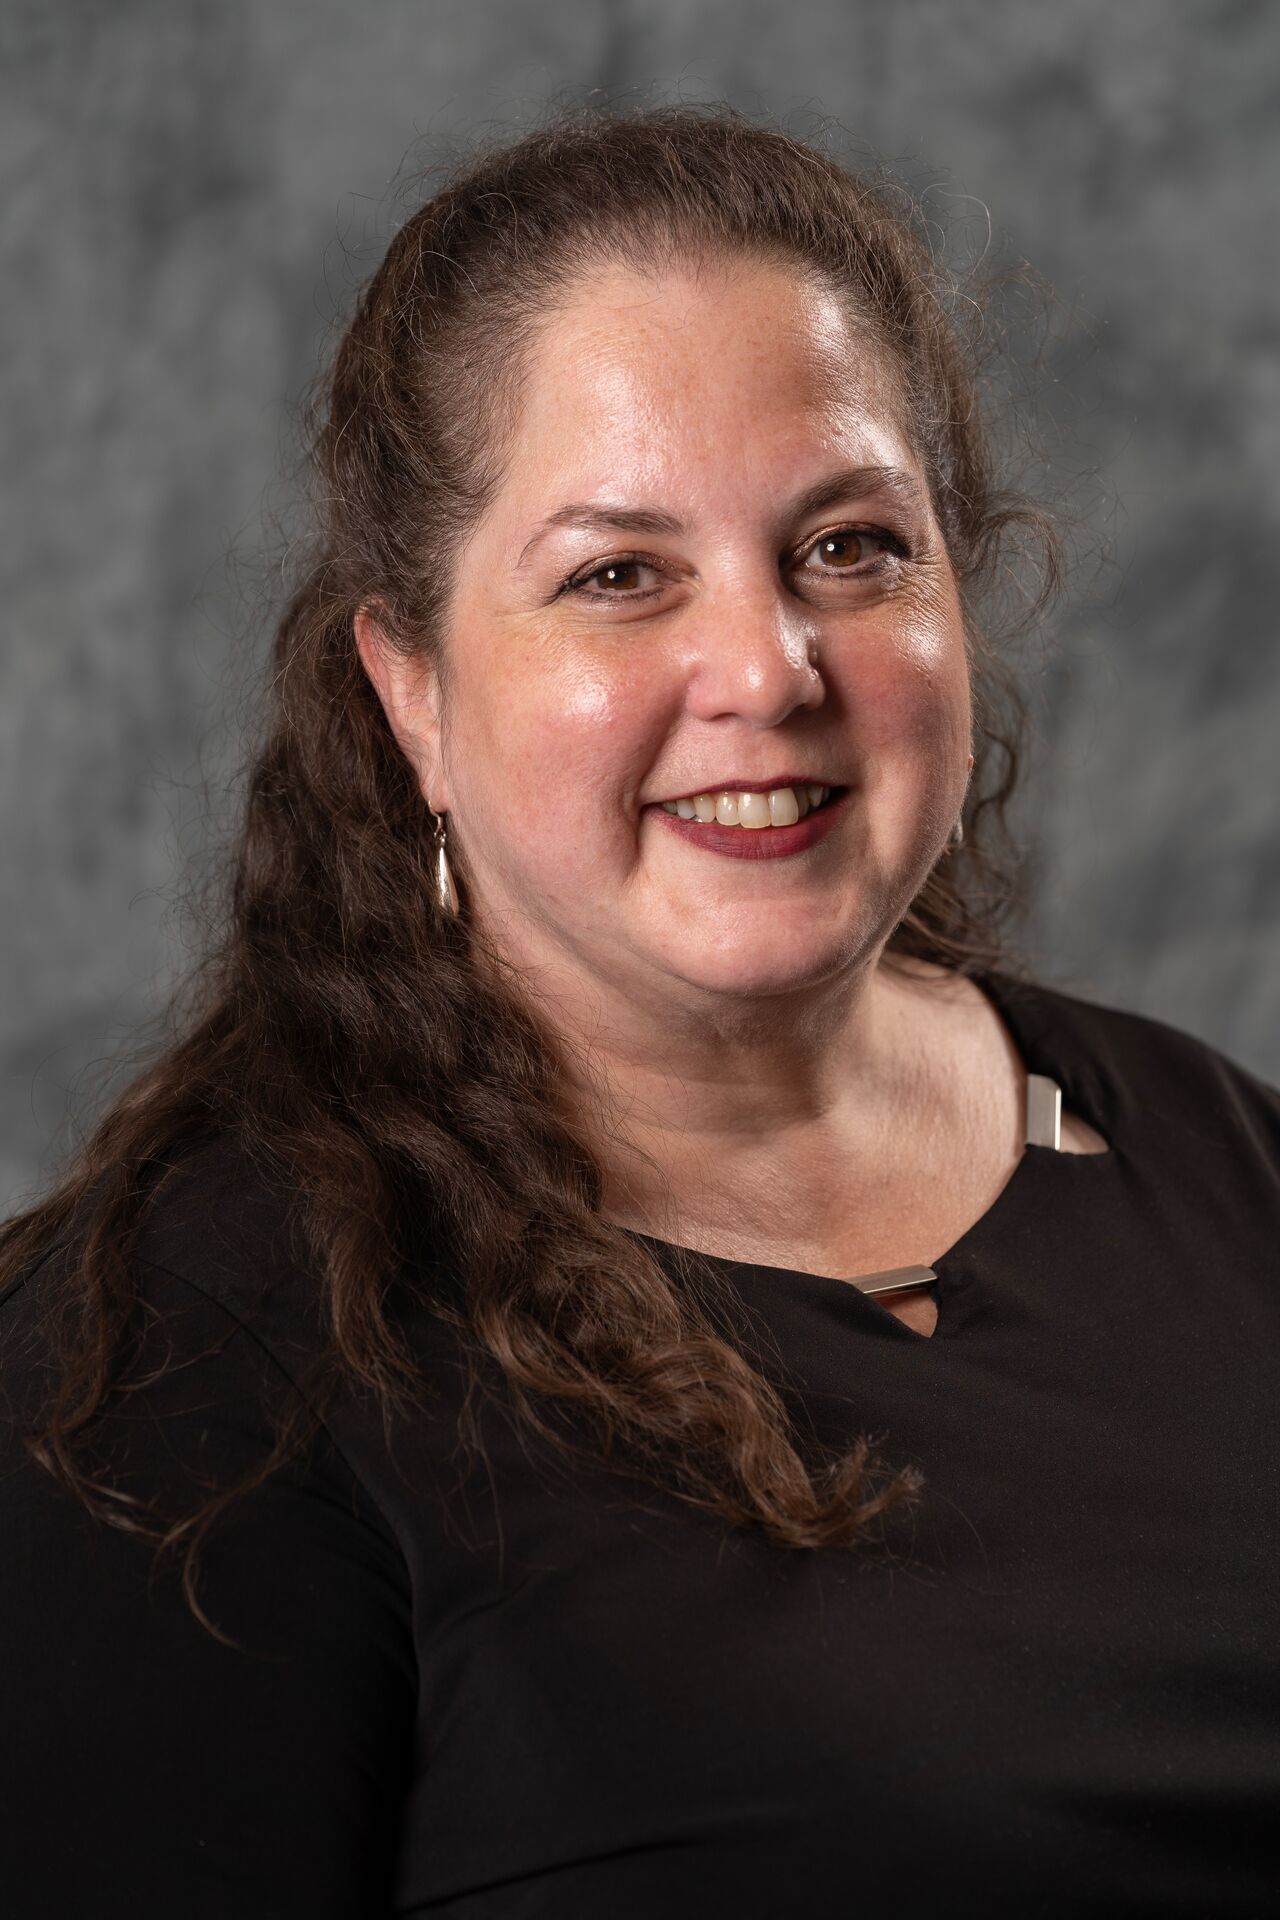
[[1040, 1046]]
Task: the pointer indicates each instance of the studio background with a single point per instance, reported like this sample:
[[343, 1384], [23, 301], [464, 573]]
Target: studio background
[[190, 195]]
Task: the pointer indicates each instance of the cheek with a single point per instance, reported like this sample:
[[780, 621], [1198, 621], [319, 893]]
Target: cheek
[[907, 686], [580, 732]]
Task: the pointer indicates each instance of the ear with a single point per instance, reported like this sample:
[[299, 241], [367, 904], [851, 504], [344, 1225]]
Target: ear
[[409, 689]]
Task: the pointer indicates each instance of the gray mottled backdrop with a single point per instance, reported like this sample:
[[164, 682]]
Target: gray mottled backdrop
[[191, 191]]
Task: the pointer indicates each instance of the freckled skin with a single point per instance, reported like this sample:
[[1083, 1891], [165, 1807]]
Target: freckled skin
[[717, 398]]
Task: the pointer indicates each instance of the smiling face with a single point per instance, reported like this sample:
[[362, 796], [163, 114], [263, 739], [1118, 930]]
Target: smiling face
[[753, 622]]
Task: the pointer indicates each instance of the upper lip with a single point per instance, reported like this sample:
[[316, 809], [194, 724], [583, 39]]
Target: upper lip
[[735, 785]]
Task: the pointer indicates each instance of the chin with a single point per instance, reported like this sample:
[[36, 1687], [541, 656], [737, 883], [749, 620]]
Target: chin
[[782, 965], [770, 947]]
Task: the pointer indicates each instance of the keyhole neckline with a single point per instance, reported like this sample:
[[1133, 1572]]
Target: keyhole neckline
[[1043, 1054]]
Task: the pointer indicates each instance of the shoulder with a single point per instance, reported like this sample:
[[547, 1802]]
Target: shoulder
[[222, 1362], [234, 1300], [217, 1225], [1147, 1068], [212, 1279], [206, 1362], [229, 1223]]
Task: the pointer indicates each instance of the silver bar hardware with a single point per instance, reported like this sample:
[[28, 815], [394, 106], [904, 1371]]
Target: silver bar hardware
[[893, 1278], [1044, 1112]]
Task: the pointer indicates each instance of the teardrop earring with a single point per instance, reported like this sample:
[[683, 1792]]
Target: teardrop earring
[[446, 892]]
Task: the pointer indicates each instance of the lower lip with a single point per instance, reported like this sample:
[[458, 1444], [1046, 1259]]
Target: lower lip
[[757, 843]]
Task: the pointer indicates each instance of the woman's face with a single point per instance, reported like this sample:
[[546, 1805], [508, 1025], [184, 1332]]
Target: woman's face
[[712, 567]]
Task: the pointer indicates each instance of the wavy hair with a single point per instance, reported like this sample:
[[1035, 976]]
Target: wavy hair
[[363, 1043]]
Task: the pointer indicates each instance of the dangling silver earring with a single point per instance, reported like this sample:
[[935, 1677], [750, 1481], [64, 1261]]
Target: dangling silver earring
[[446, 892]]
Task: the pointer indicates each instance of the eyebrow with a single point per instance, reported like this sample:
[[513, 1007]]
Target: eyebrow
[[845, 483]]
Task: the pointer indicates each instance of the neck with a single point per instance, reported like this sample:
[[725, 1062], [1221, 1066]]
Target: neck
[[693, 1104]]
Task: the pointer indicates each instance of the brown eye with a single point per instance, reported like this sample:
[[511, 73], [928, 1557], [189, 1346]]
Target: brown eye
[[848, 549], [845, 548], [619, 574]]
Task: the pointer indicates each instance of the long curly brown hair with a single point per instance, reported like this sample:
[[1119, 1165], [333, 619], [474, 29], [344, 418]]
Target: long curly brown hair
[[357, 1039]]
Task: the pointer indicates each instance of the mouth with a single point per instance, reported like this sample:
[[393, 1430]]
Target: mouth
[[754, 807], [779, 822]]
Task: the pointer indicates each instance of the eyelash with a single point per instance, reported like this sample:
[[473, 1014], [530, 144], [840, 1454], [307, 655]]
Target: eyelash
[[576, 583]]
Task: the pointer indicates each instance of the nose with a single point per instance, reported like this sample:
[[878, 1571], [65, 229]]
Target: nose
[[753, 663]]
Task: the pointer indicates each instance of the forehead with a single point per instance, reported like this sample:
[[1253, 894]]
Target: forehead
[[682, 379]]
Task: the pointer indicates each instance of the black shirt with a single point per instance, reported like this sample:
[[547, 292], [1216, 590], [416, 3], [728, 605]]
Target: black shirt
[[516, 1691]]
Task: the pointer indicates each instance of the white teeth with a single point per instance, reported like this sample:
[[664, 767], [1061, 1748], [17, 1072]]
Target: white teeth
[[783, 807]]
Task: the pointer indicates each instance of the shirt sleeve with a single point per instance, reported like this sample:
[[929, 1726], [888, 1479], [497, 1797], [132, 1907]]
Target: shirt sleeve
[[147, 1769]]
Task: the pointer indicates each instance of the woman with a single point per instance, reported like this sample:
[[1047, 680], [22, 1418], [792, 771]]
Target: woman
[[681, 1380]]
